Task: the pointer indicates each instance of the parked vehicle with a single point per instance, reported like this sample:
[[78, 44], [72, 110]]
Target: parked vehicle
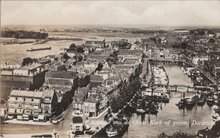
[[57, 119], [210, 100]]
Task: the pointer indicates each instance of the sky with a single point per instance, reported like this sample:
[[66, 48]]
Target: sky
[[144, 12]]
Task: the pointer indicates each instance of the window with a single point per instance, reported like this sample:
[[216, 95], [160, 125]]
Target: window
[[32, 100], [35, 107], [16, 98]]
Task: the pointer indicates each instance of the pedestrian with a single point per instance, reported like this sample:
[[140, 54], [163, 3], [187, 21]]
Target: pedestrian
[[190, 122]]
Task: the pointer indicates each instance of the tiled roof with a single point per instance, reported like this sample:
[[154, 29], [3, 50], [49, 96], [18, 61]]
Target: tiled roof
[[30, 67], [130, 61], [129, 52], [77, 119], [58, 82], [15, 84], [24, 93], [48, 93], [61, 74], [96, 78], [91, 99]]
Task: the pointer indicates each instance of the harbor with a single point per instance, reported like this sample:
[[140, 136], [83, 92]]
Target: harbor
[[170, 118]]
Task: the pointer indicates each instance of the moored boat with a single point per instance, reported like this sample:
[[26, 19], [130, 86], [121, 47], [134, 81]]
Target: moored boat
[[201, 101], [190, 103], [210, 100], [38, 49], [118, 127], [182, 103]]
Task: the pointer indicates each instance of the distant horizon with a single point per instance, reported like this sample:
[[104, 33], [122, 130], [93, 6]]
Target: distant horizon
[[164, 13], [134, 26]]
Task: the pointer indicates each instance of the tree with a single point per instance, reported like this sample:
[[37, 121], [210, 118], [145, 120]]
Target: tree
[[211, 40], [65, 56], [27, 61], [115, 105], [72, 46], [184, 45], [61, 68], [99, 68], [80, 50], [79, 58]]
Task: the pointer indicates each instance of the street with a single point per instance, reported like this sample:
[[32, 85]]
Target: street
[[61, 128]]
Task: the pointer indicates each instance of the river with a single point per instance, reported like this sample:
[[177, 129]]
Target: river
[[171, 119]]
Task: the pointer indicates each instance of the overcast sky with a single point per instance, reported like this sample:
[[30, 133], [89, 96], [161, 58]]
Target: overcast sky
[[169, 13]]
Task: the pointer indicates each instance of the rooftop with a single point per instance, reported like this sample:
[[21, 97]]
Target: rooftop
[[24, 93], [59, 82], [91, 99], [30, 67], [129, 52], [96, 78], [15, 84], [61, 74]]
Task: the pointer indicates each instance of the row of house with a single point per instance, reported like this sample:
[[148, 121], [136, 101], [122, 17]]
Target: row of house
[[36, 105], [107, 82]]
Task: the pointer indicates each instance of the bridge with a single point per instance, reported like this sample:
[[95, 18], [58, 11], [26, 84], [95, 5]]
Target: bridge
[[206, 74], [187, 88]]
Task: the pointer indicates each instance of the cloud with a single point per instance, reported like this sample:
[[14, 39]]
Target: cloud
[[112, 12]]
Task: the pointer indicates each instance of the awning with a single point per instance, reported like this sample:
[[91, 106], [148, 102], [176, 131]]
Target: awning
[[19, 117], [41, 117], [36, 111], [19, 111], [24, 115], [27, 111], [11, 111]]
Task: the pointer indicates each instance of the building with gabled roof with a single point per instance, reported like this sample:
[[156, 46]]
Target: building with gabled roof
[[26, 77], [95, 80], [91, 105]]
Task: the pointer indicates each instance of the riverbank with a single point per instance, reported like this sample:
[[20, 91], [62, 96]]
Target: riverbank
[[169, 118]]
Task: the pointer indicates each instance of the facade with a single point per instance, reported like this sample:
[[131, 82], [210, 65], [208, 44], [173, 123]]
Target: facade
[[26, 77], [77, 124], [64, 83], [36, 105], [91, 105], [79, 98], [95, 80]]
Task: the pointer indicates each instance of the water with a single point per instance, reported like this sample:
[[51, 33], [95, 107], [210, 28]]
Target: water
[[14, 54], [170, 119]]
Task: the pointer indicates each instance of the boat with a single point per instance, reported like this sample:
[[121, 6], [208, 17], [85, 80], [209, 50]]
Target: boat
[[140, 106], [182, 103], [195, 98], [38, 49], [210, 100], [217, 110], [190, 103], [201, 101], [164, 98], [151, 107], [118, 127]]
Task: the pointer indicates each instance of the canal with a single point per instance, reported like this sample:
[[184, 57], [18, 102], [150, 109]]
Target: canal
[[171, 119]]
